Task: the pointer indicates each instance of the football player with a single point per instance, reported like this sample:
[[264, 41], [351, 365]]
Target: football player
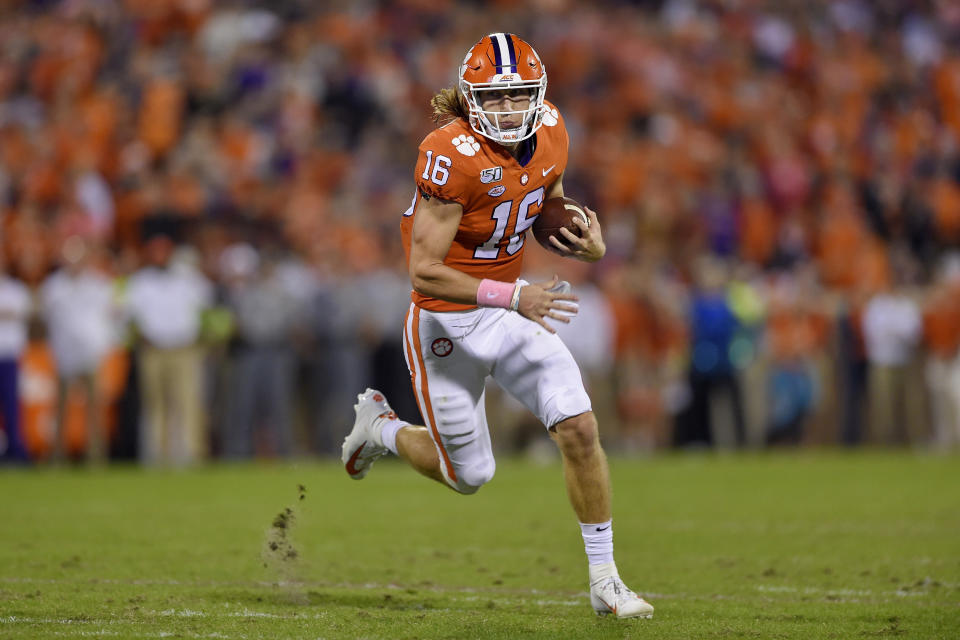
[[481, 180]]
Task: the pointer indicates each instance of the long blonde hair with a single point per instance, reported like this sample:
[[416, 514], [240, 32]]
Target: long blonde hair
[[448, 105]]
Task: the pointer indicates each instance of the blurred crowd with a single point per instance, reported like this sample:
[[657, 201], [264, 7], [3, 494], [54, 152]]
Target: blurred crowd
[[200, 204]]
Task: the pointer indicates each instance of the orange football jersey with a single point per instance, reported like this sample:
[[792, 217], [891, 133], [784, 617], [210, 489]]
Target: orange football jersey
[[500, 197]]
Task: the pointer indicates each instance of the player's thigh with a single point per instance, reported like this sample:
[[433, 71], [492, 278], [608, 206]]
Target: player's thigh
[[536, 367], [448, 383]]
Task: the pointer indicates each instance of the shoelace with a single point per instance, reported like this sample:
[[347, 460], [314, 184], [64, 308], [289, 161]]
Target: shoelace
[[619, 588], [615, 584]]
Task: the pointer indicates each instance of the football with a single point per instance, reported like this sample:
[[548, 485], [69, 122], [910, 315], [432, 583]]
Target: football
[[556, 214]]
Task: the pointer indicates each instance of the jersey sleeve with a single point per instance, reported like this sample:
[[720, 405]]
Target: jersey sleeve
[[440, 174]]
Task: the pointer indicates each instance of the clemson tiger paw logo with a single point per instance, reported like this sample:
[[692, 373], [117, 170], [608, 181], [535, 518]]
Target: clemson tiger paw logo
[[441, 347], [466, 145], [551, 117]]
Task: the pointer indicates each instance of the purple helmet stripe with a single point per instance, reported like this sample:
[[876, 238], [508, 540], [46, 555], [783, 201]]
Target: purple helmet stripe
[[505, 58], [513, 52], [497, 61]]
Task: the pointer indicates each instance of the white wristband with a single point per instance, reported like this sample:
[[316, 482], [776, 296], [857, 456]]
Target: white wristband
[[515, 300]]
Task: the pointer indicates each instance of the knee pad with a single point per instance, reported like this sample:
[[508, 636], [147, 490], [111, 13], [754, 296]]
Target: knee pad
[[471, 478]]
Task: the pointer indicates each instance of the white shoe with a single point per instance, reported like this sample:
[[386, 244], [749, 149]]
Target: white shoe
[[364, 445], [610, 595]]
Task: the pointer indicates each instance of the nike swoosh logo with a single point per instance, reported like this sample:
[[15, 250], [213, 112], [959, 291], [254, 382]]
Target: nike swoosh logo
[[548, 170], [612, 608], [351, 468], [604, 528], [491, 294]]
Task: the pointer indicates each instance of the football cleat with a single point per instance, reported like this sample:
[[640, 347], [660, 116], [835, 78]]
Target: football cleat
[[610, 595], [364, 445]]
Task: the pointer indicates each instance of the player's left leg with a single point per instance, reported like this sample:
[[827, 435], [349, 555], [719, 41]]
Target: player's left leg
[[584, 467], [588, 487], [538, 369]]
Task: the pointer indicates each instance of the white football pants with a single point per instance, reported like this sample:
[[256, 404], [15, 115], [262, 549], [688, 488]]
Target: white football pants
[[450, 355]]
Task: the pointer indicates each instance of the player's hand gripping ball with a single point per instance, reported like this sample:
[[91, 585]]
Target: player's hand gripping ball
[[556, 214]]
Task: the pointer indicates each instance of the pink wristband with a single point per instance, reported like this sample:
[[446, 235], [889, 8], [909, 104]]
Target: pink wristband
[[493, 293]]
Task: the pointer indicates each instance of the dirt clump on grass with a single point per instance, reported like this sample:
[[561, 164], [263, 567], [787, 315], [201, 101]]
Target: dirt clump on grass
[[280, 555], [279, 551]]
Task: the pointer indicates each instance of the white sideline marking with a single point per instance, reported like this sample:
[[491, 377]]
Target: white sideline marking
[[787, 528], [181, 613], [99, 633], [842, 595], [834, 592], [154, 634], [578, 602], [28, 620]]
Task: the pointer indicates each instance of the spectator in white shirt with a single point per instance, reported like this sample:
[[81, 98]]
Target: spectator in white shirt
[[892, 327], [15, 308], [166, 300], [77, 305]]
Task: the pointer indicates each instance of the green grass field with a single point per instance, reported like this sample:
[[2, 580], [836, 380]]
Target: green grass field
[[808, 545]]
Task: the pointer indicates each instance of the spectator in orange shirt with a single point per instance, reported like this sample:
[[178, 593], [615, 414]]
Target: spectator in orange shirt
[[941, 335]]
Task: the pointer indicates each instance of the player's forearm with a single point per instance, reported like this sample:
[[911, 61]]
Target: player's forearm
[[437, 280]]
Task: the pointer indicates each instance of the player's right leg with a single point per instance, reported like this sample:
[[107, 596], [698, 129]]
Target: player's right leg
[[448, 382], [448, 373], [364, 444], [415, 445], [370, 439]]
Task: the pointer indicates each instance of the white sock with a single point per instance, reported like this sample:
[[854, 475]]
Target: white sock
[[598, 542], [388, 433]]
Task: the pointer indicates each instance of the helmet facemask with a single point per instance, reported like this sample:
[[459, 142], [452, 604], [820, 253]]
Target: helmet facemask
[[487, 123]]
